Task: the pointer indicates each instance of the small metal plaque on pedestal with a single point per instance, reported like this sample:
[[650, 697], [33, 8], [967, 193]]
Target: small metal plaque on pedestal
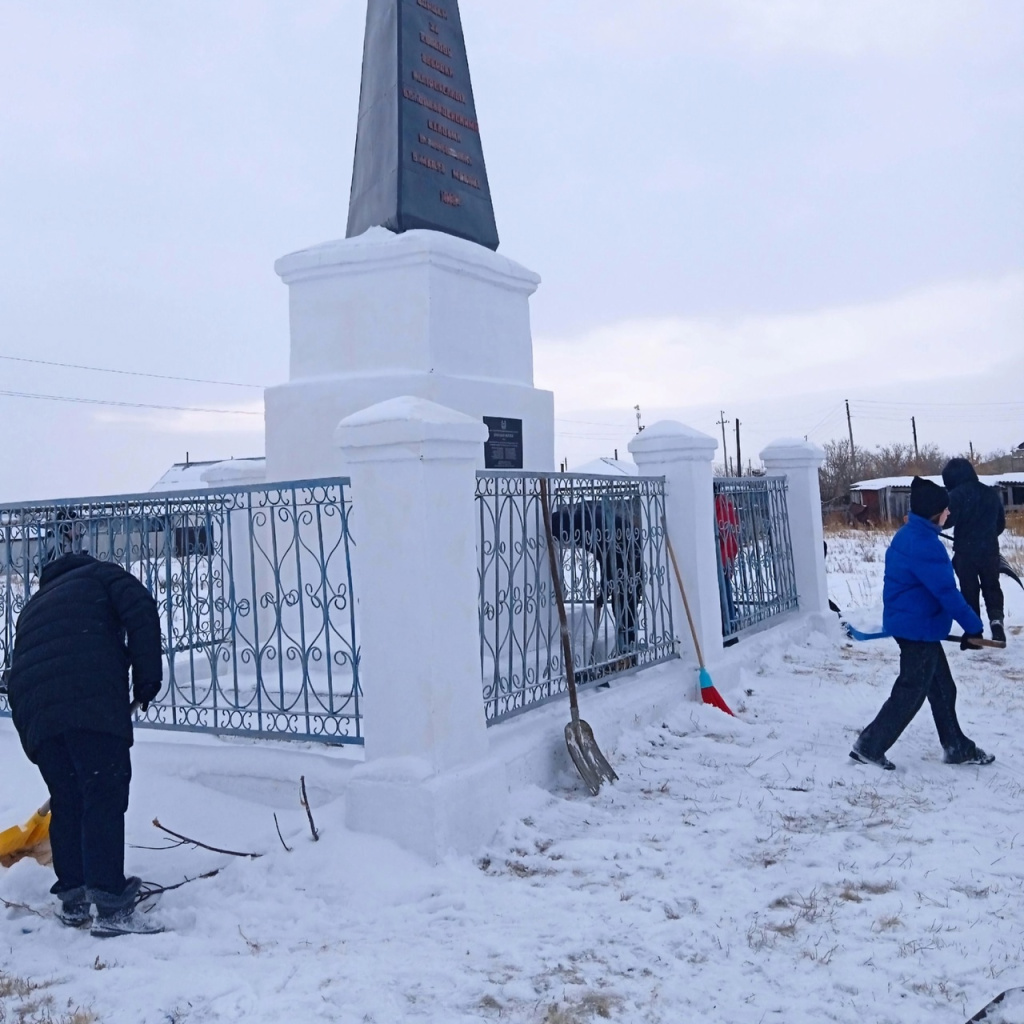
[[503, 448]]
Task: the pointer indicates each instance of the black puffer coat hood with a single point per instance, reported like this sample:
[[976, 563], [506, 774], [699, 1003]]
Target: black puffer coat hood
[[77, 637], [958, 471], [975, 512]]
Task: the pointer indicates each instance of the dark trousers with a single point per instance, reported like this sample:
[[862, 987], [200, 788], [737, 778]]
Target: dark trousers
[[924, 673], [88, 775], [979, 577]]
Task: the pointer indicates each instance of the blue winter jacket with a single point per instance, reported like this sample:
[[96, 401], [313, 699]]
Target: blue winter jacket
[[920, 595]]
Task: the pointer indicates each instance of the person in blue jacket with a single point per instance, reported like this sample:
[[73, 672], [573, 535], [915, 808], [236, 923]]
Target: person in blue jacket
[[921, 600]]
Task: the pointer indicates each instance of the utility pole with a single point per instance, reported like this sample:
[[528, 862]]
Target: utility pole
[[913, 426], [853, 454], [739, 460], [725, 451], [970, 445]]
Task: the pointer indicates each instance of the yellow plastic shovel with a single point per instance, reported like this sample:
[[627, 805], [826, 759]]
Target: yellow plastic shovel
[[23, 840]]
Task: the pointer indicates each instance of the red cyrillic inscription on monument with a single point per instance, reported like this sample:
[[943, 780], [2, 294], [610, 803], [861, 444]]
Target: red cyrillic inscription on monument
[[426, 140], [437, 65], [450, 199], [466, 179], [440, 108], [427, 161], [441, 87], [433, 8], [443, 129], [435, 44]]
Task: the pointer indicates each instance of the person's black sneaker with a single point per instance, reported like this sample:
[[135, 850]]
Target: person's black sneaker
[[879, 762], [978, 757], [998, 633]]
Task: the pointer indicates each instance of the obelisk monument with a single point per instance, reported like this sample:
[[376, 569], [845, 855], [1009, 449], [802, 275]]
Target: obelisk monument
[[427, 170], [414, 301]]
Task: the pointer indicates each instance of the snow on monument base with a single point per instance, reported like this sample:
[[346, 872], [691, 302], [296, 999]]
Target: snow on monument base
[[431, 815], [420, 313]]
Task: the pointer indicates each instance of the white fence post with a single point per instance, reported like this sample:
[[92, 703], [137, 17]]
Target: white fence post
[[798, 461], [684, 457], [425, 783]]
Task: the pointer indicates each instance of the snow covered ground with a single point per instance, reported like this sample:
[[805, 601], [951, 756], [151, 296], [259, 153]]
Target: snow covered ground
[[741, 871]]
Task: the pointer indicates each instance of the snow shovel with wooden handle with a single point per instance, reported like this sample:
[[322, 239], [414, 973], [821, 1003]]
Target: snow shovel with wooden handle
[[579, 737]]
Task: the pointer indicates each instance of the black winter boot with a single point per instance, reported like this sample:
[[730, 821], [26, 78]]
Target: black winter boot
[[75, 910], [118, 914], [998, 633]]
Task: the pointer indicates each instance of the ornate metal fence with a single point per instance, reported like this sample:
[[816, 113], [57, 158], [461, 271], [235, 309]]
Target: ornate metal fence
[[613, 560], [254, 586], [756, 579]]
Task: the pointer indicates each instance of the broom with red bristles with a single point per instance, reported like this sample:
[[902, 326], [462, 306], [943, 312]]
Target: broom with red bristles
[[708, 693]]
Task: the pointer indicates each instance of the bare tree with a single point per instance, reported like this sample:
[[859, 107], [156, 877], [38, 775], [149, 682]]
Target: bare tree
[[890, 460], [887, 460], [836, 472]]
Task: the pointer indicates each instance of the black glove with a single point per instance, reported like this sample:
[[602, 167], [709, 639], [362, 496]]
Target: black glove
[[144, 693], [965, 642]]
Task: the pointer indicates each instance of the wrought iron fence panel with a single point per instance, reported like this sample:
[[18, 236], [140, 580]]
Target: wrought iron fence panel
[[614, 573], [254, 589], [754, 549]]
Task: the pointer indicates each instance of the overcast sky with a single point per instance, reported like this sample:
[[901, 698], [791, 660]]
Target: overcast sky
[[757, 206]]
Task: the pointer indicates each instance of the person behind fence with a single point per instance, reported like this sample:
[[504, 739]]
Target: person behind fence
[[921, 600], [977, 516], [727, 521], [77, 636], [607, 531]]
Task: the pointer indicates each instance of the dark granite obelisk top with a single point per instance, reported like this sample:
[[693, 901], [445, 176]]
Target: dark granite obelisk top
[[419, 162]]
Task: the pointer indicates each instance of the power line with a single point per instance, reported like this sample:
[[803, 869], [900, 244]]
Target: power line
[[832, 412], [935, 405], [128, 405], [592, 423], [129, 373]]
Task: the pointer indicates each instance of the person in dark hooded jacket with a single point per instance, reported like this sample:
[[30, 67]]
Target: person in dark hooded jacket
[[77, 637], [920, 602], [977, 517], [607, 530]]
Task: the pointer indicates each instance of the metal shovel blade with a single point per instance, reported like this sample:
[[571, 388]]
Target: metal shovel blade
[[592, 765], [1006, 1008]]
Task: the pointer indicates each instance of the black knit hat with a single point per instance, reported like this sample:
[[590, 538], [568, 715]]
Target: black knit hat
[[927, 499]]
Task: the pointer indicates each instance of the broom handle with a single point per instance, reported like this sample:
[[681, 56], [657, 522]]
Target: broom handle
[[682, 590]]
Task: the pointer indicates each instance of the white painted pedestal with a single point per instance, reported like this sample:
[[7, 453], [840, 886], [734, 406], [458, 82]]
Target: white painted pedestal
[[427, 782], [419, 314]]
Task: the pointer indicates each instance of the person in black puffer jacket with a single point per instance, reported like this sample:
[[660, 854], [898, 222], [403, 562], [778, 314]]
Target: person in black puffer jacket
[[977, 517], [77, 636]]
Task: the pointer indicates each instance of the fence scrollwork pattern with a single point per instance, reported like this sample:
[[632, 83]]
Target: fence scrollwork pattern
[[254, 587], [614, 573]]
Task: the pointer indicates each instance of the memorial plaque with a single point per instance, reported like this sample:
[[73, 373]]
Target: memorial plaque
[[419, 162], [503, 448]]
